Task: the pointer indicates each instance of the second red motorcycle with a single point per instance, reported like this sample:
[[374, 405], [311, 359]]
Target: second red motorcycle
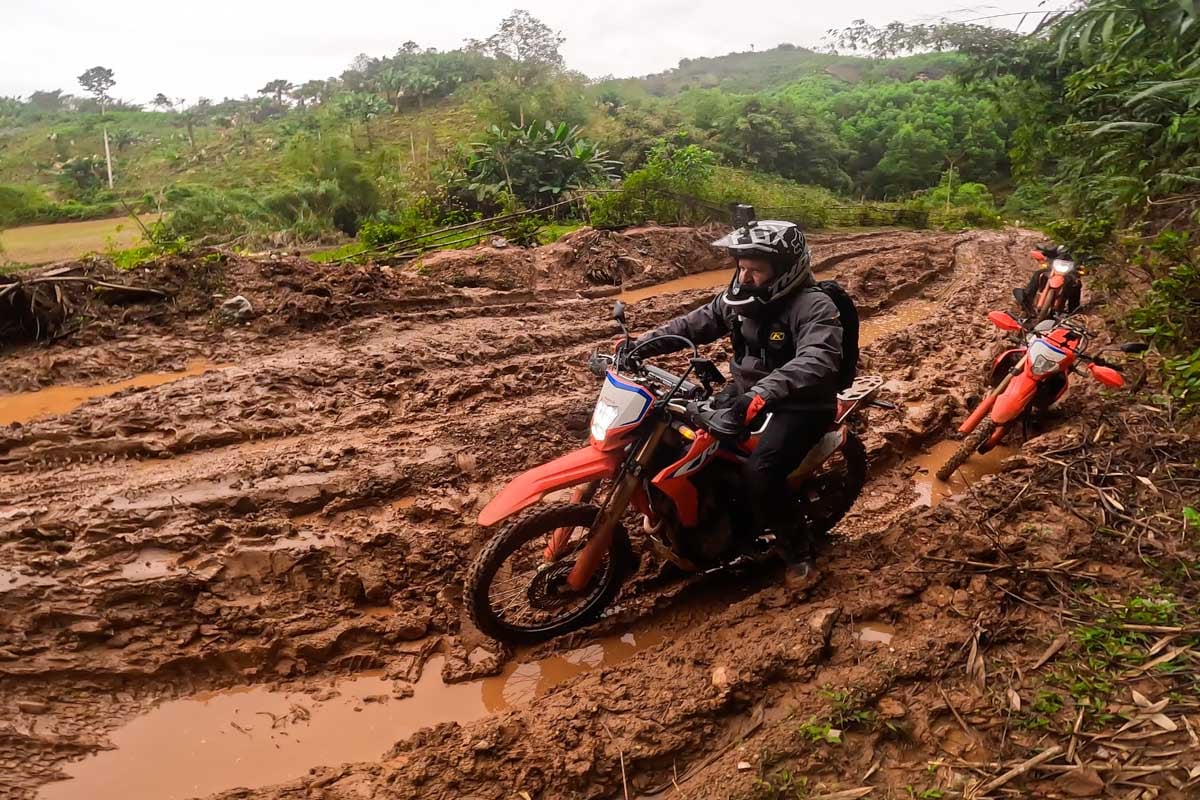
[[1030, 378]]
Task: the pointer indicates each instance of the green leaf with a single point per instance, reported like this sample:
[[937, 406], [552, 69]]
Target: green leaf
[[1191, 516], [1124, 127], [1161, 87], [1179, 177], [1085, 39]]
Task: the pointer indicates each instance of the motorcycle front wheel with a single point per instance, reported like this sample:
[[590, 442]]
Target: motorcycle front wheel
[[976, 439], [515, 595]]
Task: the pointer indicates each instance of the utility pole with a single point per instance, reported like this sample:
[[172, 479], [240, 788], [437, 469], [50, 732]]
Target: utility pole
[[950, 186], [98, 81], [107, 153]]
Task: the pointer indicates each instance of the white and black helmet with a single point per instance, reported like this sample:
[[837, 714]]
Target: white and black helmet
[[781, 242]]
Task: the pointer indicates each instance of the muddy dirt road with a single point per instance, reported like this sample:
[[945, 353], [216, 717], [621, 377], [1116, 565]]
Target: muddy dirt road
[[244, 571]]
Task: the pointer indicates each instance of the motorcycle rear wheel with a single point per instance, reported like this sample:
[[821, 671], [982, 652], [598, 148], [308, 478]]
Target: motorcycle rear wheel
[[835, 487], [552, 610], [975, 439]]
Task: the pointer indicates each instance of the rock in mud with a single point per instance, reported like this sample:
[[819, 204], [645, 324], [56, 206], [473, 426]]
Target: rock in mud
[[32, 707], [822, 622], [236, 309], [722, 677]]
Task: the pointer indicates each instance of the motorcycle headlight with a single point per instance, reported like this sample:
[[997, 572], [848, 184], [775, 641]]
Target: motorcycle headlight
[[1043, 365], [1063, 267], [602, 419]]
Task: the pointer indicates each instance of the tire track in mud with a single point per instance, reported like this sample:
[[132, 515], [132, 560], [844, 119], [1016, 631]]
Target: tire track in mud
[[302, 485]]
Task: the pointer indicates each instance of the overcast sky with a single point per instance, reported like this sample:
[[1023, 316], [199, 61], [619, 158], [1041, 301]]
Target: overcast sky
[[231, 48]]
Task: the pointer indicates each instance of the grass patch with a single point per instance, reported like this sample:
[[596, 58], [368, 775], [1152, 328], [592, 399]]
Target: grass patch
[[553, 231], [347, 250], [38, 244]]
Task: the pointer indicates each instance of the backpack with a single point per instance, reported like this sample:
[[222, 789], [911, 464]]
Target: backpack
[[848, 315]]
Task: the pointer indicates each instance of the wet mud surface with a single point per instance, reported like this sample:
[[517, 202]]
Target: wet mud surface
[[244, 569]]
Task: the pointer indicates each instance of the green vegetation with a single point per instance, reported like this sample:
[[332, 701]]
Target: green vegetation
[[498, 124], [1105, 144], [1088, 127]]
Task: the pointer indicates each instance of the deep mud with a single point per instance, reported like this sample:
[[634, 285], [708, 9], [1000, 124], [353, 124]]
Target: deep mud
[[282, 537]]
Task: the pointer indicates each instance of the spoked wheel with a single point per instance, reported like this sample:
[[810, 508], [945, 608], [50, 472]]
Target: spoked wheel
[[514, 594], [827, 496], [973, 442]]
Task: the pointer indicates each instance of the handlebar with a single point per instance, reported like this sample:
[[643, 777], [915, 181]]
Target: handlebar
[[627, 360], [668, 380]]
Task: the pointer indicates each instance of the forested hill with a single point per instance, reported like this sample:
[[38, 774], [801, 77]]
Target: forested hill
[[408, 125], [754, 71]]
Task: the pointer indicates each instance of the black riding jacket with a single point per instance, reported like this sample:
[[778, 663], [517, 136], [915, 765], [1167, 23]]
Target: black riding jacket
[[790, 354]]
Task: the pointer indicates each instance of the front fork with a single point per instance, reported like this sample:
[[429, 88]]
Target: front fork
[[599, 538], [985, 406]]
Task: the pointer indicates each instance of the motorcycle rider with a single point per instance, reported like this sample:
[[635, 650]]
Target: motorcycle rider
[[787, 350], [1037, 281]]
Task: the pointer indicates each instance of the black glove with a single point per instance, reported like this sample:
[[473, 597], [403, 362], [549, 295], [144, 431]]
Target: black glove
[[747, 406], [725, 397]]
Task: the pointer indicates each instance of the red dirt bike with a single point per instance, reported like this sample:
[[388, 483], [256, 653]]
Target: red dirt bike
[[660, 448], [1053, 290], [1028, 379]]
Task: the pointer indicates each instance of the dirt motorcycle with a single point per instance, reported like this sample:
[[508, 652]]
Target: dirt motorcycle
[[658, 447], [1029, 379], [1056, 289]]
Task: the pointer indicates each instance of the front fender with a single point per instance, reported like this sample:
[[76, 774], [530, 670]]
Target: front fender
[[1012, 402], [581, 466]]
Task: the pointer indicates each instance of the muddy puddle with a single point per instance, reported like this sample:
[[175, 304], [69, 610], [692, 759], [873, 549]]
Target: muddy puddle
[[254, 736], [12, 579], [713, 279], [931, 491], [151, 563], [875, 633], [27, 406], [910, 313]]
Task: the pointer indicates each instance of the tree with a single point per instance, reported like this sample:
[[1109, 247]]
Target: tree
[[161, 101], [535, 164], [194, 114], [99, 81], [525, 46], [277, 89], [47, 101], [309, 92], [361, 107]]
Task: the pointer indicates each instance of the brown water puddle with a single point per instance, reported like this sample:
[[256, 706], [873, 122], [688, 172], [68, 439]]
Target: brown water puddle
[[11, 579], [26, 406], [875, 632], [713, 279], [931, 491], [910, 313], [255, 736], [150, 564]]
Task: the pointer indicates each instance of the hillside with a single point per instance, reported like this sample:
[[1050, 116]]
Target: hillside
[[152, 150], [241, 144], [397, 146], [753, 71]]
